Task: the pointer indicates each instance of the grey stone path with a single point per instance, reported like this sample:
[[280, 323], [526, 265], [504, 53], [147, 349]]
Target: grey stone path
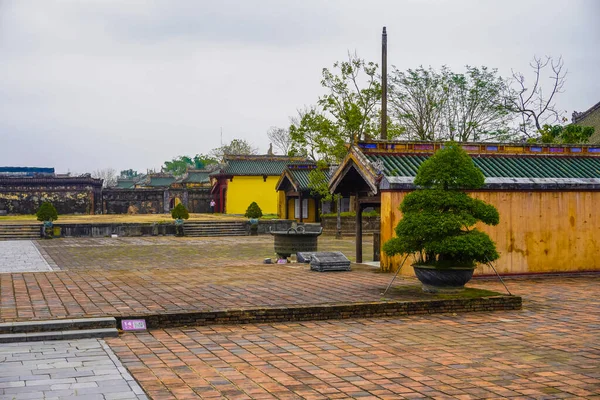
[[21, 256], [85, 369]]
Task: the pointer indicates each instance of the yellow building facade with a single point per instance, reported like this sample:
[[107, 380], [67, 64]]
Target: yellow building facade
[[244, 179]]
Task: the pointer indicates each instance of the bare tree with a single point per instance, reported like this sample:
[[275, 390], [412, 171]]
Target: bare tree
[[109, 175], [535, 105], [281, 139]]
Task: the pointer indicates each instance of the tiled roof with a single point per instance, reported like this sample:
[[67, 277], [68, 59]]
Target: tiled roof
[[160, 181], [501, 166], [197, 177], [125, 184], [258, 165]]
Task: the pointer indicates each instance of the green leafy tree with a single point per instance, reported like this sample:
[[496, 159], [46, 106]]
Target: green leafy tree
[[316, 137], [564, 134], [236, 147], [253, 211], [438, 217], [349, 111], [179, 165], [128, 174], [444, 105], [47, 212], [180, 212]]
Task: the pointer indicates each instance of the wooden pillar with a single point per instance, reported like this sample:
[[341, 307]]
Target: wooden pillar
[[300, 201], [358, 209], [383, 135], [287, 208]]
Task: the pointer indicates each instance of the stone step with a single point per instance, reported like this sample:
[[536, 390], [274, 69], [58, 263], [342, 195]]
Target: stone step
[[58, 325], [58, 335], [215, 234], [9, 232], [213, 230]]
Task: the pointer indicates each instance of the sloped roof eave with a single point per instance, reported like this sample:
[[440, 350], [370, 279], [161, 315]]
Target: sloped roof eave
[[355, 159]]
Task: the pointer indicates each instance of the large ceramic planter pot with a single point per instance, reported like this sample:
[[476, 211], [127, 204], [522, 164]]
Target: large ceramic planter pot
[[48, 230], [447, 280], [179, 227]]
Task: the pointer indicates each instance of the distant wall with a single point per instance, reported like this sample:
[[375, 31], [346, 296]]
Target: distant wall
[[370, 225], [154, 201], [68, 195]]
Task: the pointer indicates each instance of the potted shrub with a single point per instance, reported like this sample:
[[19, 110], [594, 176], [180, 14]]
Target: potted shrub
[[254, 213], [437, 223], [47, 213], [179, 213]]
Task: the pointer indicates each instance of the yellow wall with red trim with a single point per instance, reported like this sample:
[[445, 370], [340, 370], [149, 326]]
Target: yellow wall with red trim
[[538, 231], [243, 190]]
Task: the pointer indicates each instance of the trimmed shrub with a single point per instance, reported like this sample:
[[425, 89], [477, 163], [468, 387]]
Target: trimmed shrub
[[180, 212], [253, 211], [47, 212], [438, 217]]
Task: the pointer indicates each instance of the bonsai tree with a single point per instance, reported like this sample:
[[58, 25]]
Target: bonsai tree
[[438, 217], [179, 213], [253, 211], [47, 213]]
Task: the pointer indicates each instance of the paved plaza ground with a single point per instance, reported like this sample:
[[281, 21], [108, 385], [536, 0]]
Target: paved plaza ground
[[85, 368], [549, 349]]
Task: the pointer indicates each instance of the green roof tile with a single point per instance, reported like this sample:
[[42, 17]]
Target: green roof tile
[[502, 166], [160, 181], [197, 177], [125, 184], [258, 166]]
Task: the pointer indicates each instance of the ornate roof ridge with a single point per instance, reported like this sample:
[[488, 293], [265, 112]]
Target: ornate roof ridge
[[262, 157], [578, 116]]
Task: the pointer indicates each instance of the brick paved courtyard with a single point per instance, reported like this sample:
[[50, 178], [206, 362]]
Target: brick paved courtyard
[[550, 349]]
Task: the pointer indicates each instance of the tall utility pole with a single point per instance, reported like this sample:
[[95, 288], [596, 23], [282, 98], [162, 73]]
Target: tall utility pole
[[384, 85]]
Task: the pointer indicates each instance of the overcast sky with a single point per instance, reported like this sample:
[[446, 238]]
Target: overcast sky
[[121, 84]]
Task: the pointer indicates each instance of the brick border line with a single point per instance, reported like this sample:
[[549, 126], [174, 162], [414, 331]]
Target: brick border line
[[328, 311], [49, 260]]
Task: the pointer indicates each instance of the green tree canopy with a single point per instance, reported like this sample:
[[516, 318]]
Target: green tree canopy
[[180, 164], [237, 146], [349, 111], [128, 174], [446, 105], [564, 134]]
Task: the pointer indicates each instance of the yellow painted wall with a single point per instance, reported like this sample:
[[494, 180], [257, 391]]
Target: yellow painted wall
[[312, 211], [538, 231], [243, 190]]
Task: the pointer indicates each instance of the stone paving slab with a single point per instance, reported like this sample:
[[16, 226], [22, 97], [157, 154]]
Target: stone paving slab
[[127, 253], [85, 368], [21, 256], [549, 350]]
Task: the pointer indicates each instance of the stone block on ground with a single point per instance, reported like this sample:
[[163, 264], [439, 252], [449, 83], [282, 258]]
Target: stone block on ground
[[304, 256], [329, 261]]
